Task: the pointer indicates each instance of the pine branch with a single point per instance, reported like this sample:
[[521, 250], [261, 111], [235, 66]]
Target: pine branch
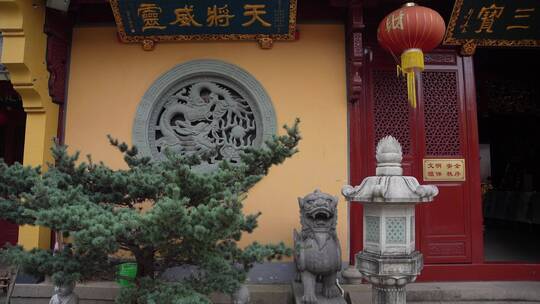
[[190, 219]]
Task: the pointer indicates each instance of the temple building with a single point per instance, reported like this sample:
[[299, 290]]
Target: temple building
[[76, 71]]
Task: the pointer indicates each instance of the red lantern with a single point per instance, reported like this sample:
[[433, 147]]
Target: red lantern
[[409, 31]]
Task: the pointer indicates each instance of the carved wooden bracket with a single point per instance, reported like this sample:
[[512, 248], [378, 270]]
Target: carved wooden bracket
[[440, 58], [355, 51], [468, 48], [58, 27]]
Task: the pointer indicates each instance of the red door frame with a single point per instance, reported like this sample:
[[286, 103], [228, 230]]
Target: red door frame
[[473, 170], [478, 269]]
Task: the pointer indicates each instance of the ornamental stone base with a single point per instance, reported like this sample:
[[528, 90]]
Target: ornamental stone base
[[389, 274], [377, 265], [382, 294]]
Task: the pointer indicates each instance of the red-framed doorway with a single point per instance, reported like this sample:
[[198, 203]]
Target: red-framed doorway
[[461, 233], [12, 131]]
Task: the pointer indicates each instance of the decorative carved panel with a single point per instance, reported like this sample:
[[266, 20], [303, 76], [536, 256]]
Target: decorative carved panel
[[441, 113], [355, 51], [207, 108], [446, 249], [58, 27], [395, 230], [440, 58], [373, 229], [391, 108]]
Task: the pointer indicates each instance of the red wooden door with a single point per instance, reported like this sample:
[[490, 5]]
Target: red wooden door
[[12, 128], [439, 128]]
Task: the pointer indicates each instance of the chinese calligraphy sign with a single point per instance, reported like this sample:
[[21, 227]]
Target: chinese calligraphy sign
[[494, 23], [149, 21], [444, 169]]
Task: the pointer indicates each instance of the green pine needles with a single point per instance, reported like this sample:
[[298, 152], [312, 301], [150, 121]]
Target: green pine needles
[[190, 219]]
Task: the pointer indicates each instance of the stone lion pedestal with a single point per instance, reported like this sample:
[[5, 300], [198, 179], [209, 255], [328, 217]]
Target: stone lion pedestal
[[317, 252]]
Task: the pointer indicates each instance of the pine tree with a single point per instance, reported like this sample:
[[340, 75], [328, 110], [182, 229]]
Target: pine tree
[[163, 213]]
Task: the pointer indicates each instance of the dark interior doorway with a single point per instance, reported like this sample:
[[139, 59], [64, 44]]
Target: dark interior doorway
[[12, 129], [508, 97]]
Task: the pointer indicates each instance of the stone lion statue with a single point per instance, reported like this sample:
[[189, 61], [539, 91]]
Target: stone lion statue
[[317, 250]]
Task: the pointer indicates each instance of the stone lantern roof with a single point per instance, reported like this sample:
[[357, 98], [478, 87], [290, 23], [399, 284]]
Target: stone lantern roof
[[389, 185]]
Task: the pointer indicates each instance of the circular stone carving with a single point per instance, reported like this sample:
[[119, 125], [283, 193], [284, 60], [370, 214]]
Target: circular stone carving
[[203, 107]]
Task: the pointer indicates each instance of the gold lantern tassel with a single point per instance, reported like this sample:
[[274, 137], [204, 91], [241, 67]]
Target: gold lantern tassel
[[412, 60], [411, 88]]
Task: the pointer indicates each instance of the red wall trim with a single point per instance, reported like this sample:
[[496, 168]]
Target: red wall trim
[[58, 27], [356, 156], [356, 103]]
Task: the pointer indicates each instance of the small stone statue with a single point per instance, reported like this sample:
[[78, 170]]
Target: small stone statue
[[64, 295], [317, 250], [241, 296]]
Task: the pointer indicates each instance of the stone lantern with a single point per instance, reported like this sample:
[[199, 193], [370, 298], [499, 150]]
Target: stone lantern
[[389, 260]]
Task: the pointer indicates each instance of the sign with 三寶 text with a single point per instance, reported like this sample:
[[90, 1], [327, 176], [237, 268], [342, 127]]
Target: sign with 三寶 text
[[181, 20], [494, 23], [444, 169]]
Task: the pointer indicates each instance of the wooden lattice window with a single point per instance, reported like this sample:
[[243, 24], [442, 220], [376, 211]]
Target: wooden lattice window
[[441, 113], [391, 109]]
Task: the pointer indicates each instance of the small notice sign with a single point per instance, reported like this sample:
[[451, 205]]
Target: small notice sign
[[209, 20], [444, 169]]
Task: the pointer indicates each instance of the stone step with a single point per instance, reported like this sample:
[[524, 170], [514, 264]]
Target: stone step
[[475, 302], [421, 293], [461, 292]]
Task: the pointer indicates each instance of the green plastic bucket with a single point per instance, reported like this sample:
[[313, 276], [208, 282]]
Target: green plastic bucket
[[126, 274]]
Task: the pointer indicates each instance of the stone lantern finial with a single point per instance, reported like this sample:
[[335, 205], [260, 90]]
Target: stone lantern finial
[[389, 156]]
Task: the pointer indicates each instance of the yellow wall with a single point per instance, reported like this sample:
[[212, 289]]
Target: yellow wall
[[304, 79]]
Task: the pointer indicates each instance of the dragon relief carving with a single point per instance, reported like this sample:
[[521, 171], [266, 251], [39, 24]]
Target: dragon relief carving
[[317, 249], [206, 118]]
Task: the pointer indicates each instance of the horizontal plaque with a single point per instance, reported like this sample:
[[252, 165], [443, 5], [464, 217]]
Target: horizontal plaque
[[149, 21], [504, 23], [444, 169]]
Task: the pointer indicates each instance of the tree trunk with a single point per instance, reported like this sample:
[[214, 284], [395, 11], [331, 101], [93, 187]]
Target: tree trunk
[[145, 262]]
